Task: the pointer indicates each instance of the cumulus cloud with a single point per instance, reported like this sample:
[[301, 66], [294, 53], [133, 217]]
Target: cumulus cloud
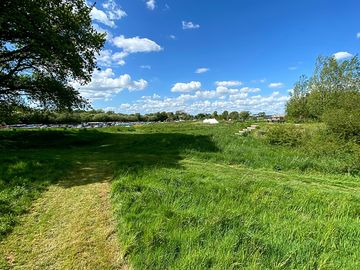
[[238, 96], [133, 45], [342, 55], [189, 25], [358, 35], [104, 84], [228, 83], [202, 70], [108, 58], [276, 85], [100, 16], [113, 11], [186, 87], [204, 101], [108, 17], [173, 37], [151, 4], [250, 90], [136, 44]]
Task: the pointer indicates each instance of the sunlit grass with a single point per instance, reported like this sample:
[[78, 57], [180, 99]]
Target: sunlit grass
[[194, 196]]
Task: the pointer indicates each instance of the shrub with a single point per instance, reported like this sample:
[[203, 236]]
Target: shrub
[[345, 123], [285, 135]]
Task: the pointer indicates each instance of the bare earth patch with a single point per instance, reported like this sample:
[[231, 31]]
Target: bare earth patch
[[69, 227]]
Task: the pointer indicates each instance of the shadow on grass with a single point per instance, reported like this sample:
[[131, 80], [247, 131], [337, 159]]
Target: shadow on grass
[[30, 161]]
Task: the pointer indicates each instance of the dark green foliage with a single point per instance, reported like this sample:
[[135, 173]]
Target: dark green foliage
[[225, 115], [43, 45], [244, 115], [23, 115], [234, 115]]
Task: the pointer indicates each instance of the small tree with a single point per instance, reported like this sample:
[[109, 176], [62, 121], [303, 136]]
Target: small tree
[[234, 115], [225, 115], [297, 107], [244, 115], [214, 114]]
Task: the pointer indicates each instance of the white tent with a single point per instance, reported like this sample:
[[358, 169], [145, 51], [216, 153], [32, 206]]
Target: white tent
[[210, 121]]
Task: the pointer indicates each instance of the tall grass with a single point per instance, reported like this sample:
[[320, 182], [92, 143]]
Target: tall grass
[[205, 216], [194, 196]]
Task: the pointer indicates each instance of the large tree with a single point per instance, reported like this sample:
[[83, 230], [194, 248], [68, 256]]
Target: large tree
[[45, 44]]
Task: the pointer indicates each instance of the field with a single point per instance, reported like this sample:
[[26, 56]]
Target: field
[[181, 196]]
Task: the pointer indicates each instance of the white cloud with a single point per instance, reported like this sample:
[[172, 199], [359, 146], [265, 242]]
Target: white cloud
[[358, 35], [201, 70], [342, 55], [293, 68], [104, 84], [189, 25], [151, 4], [172, 37], [136, 44], [108, 58], [132, 45], [204, 101], [250, 90], [276, 85], [238, 96], [228, 83], [145, 67], [112, 12], [100, 16], [186, 87]]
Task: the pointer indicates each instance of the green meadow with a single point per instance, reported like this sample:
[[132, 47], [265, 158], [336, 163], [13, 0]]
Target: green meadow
[[188, 195]]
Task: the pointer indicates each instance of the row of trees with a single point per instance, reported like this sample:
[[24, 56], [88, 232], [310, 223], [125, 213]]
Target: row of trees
[[331, 94], [34, 116]]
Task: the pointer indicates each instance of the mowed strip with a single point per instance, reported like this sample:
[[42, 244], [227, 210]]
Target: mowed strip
[[69, 227]]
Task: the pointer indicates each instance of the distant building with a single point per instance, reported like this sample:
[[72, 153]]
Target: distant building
[[277, 118]]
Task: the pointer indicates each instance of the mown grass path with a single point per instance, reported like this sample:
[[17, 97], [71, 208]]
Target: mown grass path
[[69, 227]]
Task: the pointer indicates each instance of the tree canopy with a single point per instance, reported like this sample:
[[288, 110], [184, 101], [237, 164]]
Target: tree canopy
[[332, 86], [44, 45]]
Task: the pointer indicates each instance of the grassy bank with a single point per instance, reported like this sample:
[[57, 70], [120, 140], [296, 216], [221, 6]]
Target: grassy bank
[[192, 196]]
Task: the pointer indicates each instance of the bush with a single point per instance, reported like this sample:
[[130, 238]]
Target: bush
[[353, 163], [345, 123], [285, 135]]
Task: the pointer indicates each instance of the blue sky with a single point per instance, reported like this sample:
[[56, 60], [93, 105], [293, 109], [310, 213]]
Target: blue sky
[[201, 56]]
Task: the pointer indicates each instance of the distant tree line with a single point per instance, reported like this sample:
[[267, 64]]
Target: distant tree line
[[40, 116], [331, 94]]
